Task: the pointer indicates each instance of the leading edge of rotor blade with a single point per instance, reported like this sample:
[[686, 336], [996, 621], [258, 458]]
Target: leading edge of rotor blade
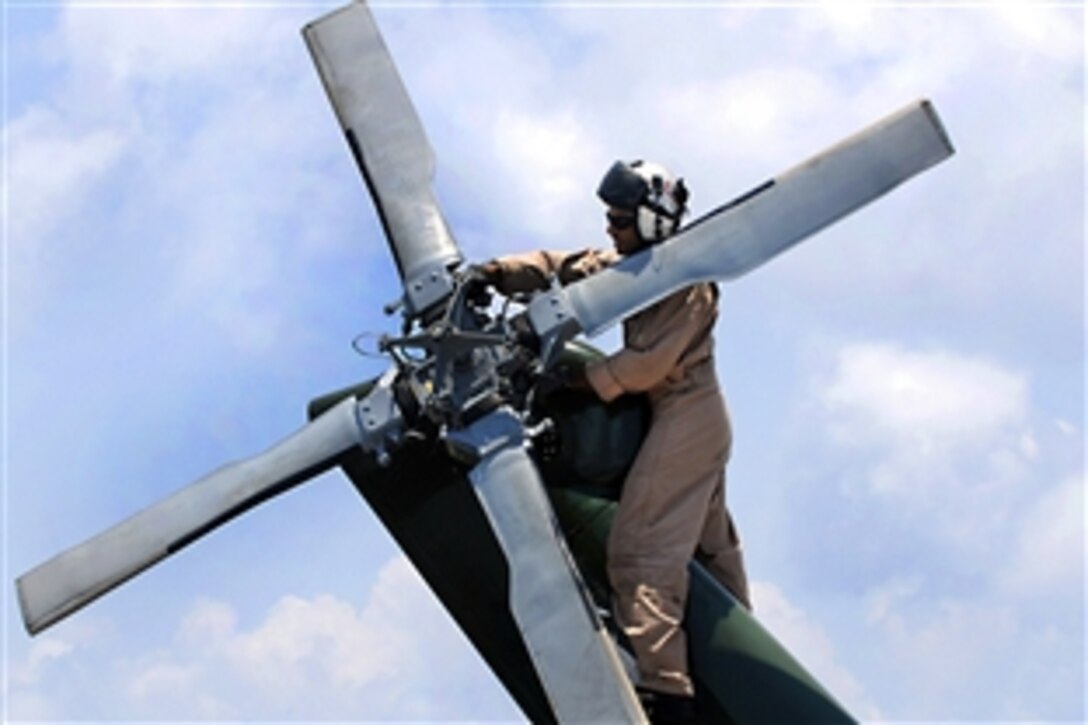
[[385, 135], [78, 576], [748, 232], [577, 664]]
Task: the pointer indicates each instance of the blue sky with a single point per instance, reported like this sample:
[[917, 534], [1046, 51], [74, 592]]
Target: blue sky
[[189, 251]]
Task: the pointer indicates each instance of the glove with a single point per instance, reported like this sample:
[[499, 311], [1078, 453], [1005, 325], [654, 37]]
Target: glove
[[564, 377], [574, 377], [487, 273], [478, 277]]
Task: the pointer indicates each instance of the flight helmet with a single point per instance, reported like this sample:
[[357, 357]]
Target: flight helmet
[[658, 199]]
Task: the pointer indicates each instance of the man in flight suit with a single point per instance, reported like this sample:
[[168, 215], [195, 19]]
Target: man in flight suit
[[673, 499]]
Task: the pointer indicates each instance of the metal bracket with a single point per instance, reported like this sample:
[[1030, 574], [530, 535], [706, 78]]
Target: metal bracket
[[426, 289], [554, 322], [381, 424], [498, 429]]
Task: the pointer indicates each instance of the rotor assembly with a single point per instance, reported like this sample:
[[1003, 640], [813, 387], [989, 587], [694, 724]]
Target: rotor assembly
[[463, 376]]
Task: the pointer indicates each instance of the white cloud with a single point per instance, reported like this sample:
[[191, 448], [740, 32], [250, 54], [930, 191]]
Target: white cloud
[[32, 706], [1065, 427], [322, 634], [927, 401], [41, 653], [546, 161], [315, 657], [1049, 546], [224, 195], [960, 639], [46, 673], [207, 623], [982, 657], [948, 437], [747, 108], [156, 44], [1044, 28], [883, 600], [946, 515], [375, 660], [53, 170], [941, 431], [162, 680]]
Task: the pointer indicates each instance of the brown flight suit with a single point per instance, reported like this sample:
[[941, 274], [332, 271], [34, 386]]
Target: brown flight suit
[[673, 500]]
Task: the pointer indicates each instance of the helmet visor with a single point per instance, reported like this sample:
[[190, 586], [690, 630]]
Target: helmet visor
[[622, 188]]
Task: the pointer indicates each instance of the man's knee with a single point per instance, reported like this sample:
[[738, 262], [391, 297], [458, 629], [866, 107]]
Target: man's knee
[[727, 567]]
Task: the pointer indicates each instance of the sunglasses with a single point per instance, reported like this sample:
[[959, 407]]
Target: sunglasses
[[620, 222]]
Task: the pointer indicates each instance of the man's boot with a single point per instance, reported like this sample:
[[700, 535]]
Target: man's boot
[[663, 708]]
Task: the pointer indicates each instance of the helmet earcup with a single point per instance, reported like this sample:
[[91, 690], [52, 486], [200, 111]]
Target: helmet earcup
[[653, 226], [658, 199]]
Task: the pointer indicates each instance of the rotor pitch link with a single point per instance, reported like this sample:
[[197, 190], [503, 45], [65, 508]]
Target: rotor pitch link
[[381, 421]]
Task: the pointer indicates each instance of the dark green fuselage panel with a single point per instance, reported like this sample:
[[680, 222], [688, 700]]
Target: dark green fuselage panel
[[741, 673]]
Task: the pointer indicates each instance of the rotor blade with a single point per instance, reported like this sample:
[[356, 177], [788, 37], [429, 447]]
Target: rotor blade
[[751, 230], [85, 572], [570, 649], [385, 136]]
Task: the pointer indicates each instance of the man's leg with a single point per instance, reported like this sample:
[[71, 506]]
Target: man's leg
[[721, 548], [651, 616], [655, 532], [651, 542]]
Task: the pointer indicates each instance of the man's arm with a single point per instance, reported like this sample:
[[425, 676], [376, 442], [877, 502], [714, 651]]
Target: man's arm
[[532, 271], [636, 369]]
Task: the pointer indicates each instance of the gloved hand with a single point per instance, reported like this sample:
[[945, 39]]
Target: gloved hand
[[563, 377], [478, 277], [487, 273]]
